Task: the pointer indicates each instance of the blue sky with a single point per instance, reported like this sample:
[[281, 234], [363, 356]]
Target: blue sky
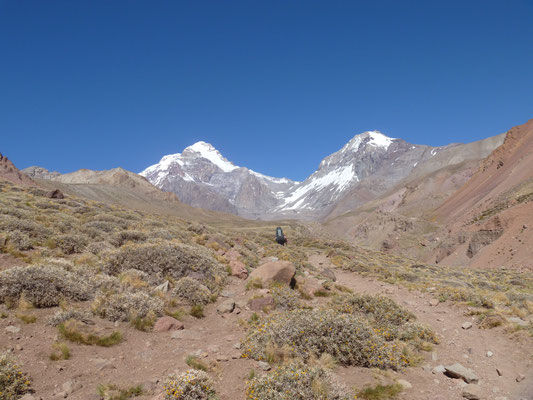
[[274, 85]]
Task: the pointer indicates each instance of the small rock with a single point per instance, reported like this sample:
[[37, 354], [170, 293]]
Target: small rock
[[458, 371], [472, 392], [518, 321], [226, 307], [434, 302], [439, 369], [237, 345], [499, 372], [222, 357], [329, 274], [264, 365], [18, 347], [165, 324], [12, 329], [227, 293], [490, 354], [520, 377], [163, 287], [404, 384], [467, 325], [238, 269]]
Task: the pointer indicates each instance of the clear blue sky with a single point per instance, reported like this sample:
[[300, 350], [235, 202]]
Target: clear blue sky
[[274, 85]]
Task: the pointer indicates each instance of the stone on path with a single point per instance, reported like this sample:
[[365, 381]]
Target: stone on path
[[264, 365], [167, 323], [434, 302], [226, 307], [458, 371], [472, 392], [467, 325], [404, 384]]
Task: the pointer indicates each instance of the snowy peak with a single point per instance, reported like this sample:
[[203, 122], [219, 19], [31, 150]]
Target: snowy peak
[[370, 138], [207, 151]]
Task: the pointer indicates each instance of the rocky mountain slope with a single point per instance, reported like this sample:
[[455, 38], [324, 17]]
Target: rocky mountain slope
[[365, 168], [489, 219], [10, 173]]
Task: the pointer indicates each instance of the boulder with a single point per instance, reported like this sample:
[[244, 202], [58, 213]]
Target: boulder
[[260, 303], [238, 269], [472, 392], [309, 285], [276, 271], [458, 371], [167, 323], [55, 194], [226, 307], [232, 255]]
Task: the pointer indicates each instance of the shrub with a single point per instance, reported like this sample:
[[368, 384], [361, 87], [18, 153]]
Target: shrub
[[381, 309], [13, 382], [121, 238], [70, 244], [194, 362], [60, 351], [388, 318], [43, 286], [74, 332], [126, 306], [30, 228], [305, 333], [190, 385], [114, 392], [381, 392], [192, 291], [101, 226], [297, 381], [197, 311], [285, 298], [65, 315], [98, 247], [168, 260], [20, 241]]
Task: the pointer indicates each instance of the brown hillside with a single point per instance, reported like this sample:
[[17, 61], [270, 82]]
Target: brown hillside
[[10, 173]]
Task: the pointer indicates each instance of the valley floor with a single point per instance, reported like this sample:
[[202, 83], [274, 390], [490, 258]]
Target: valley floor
[[147, 358]]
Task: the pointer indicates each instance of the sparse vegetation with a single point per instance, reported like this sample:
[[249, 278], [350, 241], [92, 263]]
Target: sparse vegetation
[[13, 381], [72, 331], [380, 392], [305, 333], [296, 381], [60, 351], [115, 392], [190, 385], [127, 306], [195, 362], [192, 291]]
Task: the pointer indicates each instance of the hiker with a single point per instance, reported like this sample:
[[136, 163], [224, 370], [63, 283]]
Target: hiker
[[280, 237]]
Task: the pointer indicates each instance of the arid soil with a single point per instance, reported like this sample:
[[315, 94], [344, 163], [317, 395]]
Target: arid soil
[[147, 358]]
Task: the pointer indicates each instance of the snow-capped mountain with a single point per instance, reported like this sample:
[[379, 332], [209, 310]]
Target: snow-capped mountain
[[202, 177], [365, 168]]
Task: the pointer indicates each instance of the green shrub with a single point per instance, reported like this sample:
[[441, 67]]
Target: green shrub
[[197, 311], [74, 332], [305, 333], [194, 362], [190, 385], [13, 382], [60, 351], [123, 237], [381, 392], [43, 286], [20, 241], [126, 306], [168, 260], [192, 291], [114, 392], [297, 381]]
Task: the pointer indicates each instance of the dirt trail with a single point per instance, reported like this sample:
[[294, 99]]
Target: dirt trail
[[511, 355]]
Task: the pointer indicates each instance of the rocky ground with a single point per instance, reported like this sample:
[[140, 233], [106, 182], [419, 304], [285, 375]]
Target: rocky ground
[[498, 361]]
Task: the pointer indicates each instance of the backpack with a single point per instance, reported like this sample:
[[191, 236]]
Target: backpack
[[279, 234]]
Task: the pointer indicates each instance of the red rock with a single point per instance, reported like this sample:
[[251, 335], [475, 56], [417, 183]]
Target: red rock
[[260, 303], [232, 255], [165, 324], [238, 269]]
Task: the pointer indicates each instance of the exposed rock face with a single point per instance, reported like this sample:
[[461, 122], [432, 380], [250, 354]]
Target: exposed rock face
[[276, 271], [10, 173], [365, 168], [35, 172]]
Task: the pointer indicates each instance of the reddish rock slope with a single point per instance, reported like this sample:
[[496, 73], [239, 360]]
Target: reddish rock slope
[[9, 172]]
